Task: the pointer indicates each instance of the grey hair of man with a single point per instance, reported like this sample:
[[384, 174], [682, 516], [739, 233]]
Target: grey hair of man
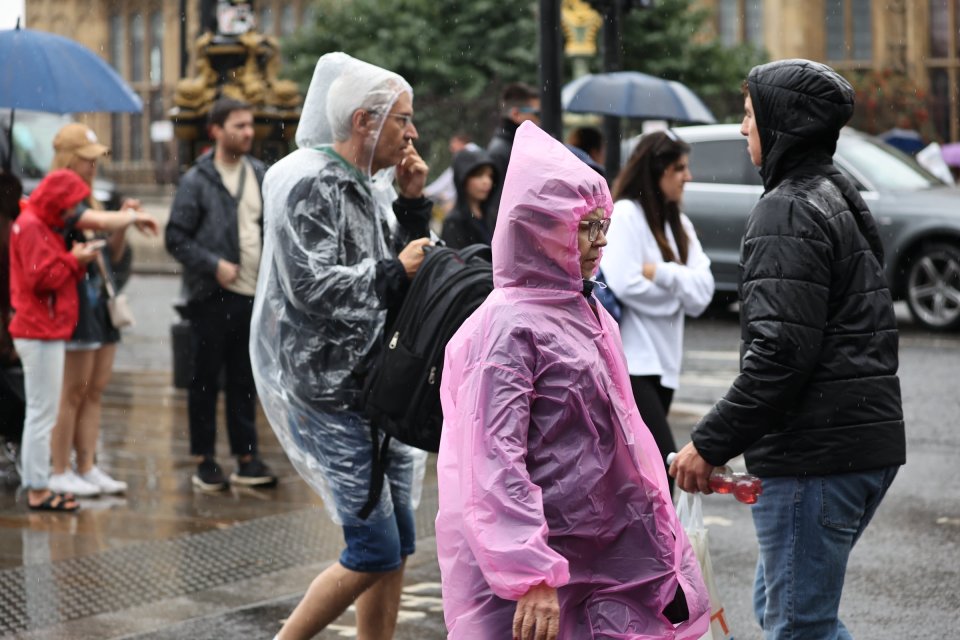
[[342, 84], [342, 101]]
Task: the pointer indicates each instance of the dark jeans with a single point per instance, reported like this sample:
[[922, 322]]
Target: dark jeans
[[807, 527], [220, 327], [653, 401]]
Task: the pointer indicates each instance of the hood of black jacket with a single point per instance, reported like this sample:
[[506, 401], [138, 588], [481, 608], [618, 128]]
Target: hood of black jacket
[[799, 108]]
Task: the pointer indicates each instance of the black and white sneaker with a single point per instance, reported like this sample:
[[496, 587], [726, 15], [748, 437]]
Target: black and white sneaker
[[253, 474], [209, 477]]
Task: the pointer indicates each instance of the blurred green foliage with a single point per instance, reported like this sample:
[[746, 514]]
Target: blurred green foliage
[[458, 54]]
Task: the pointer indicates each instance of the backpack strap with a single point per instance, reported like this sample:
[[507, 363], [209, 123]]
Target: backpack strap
[[377, 470], [238, 196]]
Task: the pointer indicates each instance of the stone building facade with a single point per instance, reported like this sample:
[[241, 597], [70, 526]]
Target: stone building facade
[[142, 40], [915, 39], [918, 39]]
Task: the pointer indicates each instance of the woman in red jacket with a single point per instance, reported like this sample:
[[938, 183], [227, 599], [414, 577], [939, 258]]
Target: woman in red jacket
[[90, 350], [43, 293]]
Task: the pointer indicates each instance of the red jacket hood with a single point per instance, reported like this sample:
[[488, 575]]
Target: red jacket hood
[[61, 189]]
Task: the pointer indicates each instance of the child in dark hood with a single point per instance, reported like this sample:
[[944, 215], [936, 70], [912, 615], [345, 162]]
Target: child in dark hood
[[475, 177]]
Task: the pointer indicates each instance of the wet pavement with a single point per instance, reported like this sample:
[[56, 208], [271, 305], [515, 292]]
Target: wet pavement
[[164, 560]]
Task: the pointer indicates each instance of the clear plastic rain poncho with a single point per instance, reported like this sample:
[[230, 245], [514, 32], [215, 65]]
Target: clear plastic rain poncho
[[318, 321], [547, 473]]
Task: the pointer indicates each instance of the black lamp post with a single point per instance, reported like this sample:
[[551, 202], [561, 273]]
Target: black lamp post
[[550, 69], [612, 12], [612, 61]]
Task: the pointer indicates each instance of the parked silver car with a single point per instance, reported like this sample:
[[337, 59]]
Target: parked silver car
[[33, 135], [918, 215]]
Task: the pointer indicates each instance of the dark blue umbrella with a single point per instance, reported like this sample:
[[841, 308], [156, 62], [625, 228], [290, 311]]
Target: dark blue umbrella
[[907, 140], [45, 72], [632, 94]]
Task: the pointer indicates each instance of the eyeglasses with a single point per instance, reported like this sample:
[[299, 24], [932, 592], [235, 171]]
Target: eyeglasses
[[406, 119], [531, 110], [594, 227]]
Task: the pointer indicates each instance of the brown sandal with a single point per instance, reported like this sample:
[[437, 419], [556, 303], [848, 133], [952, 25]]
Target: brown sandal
[[55, 502]]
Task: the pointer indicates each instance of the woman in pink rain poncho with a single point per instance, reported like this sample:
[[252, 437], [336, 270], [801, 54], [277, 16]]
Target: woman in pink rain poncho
[[554, 508]]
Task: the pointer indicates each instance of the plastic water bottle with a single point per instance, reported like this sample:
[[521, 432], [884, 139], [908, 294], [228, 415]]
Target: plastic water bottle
[[745, 487]]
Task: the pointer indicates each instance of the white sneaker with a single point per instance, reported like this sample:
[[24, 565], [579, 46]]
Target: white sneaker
[[70, 482], [107, 485]]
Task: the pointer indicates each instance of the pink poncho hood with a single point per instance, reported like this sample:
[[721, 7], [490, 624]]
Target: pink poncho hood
[[547, 473], [538, 247]]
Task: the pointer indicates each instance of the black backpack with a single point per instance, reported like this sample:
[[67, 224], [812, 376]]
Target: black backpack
[[401, 395], [402, 392]]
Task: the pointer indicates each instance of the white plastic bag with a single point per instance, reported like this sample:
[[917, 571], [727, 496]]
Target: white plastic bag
[[690, 513]]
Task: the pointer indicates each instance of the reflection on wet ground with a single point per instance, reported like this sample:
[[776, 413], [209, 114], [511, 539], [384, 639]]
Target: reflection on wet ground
[[163, 539], [145, 442]]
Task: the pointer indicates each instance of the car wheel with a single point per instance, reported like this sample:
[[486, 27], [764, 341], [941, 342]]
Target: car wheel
[[933, 286]]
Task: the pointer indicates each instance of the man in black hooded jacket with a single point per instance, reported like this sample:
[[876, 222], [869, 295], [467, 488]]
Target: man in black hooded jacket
[[519, 102], [816, 407]]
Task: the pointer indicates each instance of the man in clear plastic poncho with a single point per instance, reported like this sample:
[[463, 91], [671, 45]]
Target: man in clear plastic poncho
[[555, 517], [337, 259]]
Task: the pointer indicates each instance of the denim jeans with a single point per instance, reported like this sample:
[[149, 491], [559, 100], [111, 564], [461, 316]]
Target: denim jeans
[[337, 446], [806, 528], [42, 383]]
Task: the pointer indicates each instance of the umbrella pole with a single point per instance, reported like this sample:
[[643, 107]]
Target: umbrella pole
[[8, 161]]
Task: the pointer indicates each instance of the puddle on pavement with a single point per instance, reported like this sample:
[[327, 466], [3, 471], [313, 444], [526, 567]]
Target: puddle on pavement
[[144, 441]]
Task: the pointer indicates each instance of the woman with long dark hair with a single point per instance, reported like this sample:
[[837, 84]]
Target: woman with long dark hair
[[656, 267]]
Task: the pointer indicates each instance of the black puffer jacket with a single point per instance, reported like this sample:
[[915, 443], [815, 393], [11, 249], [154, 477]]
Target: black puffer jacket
[[203, 225], [818, 392], [462, 228]]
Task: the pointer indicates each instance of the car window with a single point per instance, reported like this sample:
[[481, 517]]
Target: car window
[[33, 141], [881, 165], [33, 134], [723, 162], [854, 180]]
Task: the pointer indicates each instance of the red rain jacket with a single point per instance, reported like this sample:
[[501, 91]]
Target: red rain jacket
[[43, 274]]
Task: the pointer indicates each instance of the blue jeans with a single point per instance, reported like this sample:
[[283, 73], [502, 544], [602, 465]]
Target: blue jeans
[[806, 528]]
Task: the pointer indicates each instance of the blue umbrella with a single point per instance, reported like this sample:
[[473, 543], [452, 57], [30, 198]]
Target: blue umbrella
[[907, 140], [632, 94], [46, 72]]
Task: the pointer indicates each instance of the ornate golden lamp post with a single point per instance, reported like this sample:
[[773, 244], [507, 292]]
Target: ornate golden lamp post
[[581, 24], [233, 59]]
